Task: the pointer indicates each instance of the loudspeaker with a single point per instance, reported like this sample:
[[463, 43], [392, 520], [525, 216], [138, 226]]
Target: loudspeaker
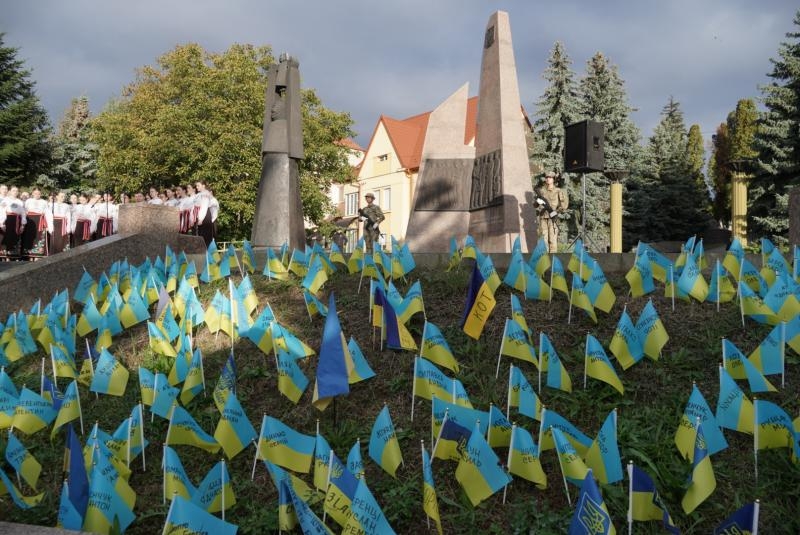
[[583, 147]]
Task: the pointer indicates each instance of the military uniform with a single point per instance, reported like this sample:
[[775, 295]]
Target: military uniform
[[548, 226], [371, 212]]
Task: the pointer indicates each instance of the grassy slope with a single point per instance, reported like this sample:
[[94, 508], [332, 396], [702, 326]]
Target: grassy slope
[[655, 395]]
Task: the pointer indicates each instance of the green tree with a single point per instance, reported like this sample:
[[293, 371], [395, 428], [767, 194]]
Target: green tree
[[674, 203], [720, 175], [696, 154], [198, 115], [24, 127], [603, 99], [74, 154], [777, 142], [555, 110]]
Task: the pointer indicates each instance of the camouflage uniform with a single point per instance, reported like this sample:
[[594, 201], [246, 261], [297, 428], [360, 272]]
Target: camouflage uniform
[[548, 227], [371, 212]]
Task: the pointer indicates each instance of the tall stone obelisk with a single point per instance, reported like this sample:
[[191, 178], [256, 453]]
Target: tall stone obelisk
[[501, 200], [279, 211]]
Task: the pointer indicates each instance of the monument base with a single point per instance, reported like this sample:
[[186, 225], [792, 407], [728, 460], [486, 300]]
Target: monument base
[[432, 230], [279, 212]]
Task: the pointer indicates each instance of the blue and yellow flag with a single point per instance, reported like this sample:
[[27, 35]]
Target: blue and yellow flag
[[454, 258], [334, 361], [480, 471], [741, 368], [720, 288], [274, 268], [645, 502], [579, 298], [159, 341], [9, 396], [340, 489], [549, 361], [429, 502], [603, 455], [86, 287], [384, 448], [70, 408], [226, 384], [106, 507], [393, 331], [768, 357], [599, 290], [752, 305], [195, 381], [110, 376], [515, 343], [309, 522], [33, 412], [702, 481], [313, 305], [572, 466], [626, 344], [580, 261], [697, 407], [479, 305], [21, 501], [659, 264], [640, 277], [282, 445], [774, 428], [234, 431], [743, 520], [652, 333], [164, 396], [781, 297], [558, 277], [470, 249], [734, 409], [540, 259], [298, 263], [22, 461], [499, 433], [412, 303], [316, 276], [186, 517], [215, 492], [435, 348], [515, 276], [355, 463], [551, 419], [591, 514], [248, 256], [429, 381], [598, 366], [733, 258], [183, 429], [68, 517], [523, 458], [366, 515], [361, 369], [175, 479], [291, 381], [522, 395]]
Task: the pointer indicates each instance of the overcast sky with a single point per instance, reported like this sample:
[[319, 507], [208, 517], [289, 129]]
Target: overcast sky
[[400, 58]]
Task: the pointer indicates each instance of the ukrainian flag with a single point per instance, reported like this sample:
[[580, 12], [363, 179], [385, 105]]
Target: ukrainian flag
[[282, 445], [291, 381], [159, 341], [741, 368], [106, 506], [591, 514], [86, 287], [572, 466], [183, 429], [429, 380], [32, 412], [551, 419], [480, 471], [540, 259], [23, 502], [579, 298], [9, 396], [558, 279], [322, 456], [626, 344], [651, 331], [435, 348], [768, 356], [22, 461], [215, 490], [454, 257], [384, 448], [734, 409], [603, 455], [645, 502], [522, 395], [515, 276], [697, 407], [479, 305], [110, 376], [702, 481], [315, 277], [429, 502], [366, 515], [515, 343], [175, 478], [523, 458], [341, 490], [599, 290], [499, 434], [70, 407], [774, 428], [234, 431], [361, 370], [733, 258], [721, 288], [640, 277], [333, 368], [598, 366]]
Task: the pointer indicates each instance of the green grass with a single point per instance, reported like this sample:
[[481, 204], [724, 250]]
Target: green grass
[[649, 412]]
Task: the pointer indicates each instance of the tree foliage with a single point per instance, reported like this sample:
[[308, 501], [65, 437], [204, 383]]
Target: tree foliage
[[74, 154], [198, 115], [24, 127], [777, 142]]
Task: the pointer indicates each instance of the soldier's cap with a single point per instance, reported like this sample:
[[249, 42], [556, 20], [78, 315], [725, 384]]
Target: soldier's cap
[[369, 195], [550, 174]]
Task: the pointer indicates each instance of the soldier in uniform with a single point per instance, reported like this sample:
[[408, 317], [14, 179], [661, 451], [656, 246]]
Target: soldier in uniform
[[372, 216], [550, 202]]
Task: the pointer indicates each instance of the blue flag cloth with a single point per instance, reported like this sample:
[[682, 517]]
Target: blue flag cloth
[[744, 520], [185, 517], [332, 367], [78, 480], [591, 515]]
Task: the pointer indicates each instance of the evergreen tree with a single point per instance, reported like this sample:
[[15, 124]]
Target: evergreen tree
[[677, 202], [603, 99], [720, 175], [74, 154], [24, 149], [555, 110], [696, 153], [198, 115], [777, 141]]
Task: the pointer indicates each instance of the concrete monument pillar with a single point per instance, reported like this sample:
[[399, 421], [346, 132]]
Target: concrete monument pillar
[[616, 218], [279, 211], [501, 196], [440, 207]]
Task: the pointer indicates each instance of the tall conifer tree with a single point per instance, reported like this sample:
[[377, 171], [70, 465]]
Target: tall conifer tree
[[777, 141]]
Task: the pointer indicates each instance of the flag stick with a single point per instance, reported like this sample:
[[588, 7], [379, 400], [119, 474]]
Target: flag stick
[[222, 482], [541, 340], [756, 507], [489, 427], [169, 427], [328, 483], [439, 435], [550, 299], [53, 360], [672, 283], [717, 272], [414, 386], [422, 453], [630, 497], [41, 379], [724, 355], [571, 292], [755, 437], [169, 513], [508, 459], [91, 365], [500, 353], [585, 360], [563, 476], [255, 458], [508, 397], [155, 394], [541, 430], [128, 444], [783, 354]]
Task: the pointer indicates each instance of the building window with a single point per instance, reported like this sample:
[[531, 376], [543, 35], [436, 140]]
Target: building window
[[382, 164], [351, 204], [386, 204], [383, 158]]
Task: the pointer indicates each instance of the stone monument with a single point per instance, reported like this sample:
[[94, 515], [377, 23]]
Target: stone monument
[[279, 211], [501, 199], [441, 198]]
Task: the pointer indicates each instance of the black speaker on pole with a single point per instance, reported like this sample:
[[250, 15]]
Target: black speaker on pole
[[583, 147]]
